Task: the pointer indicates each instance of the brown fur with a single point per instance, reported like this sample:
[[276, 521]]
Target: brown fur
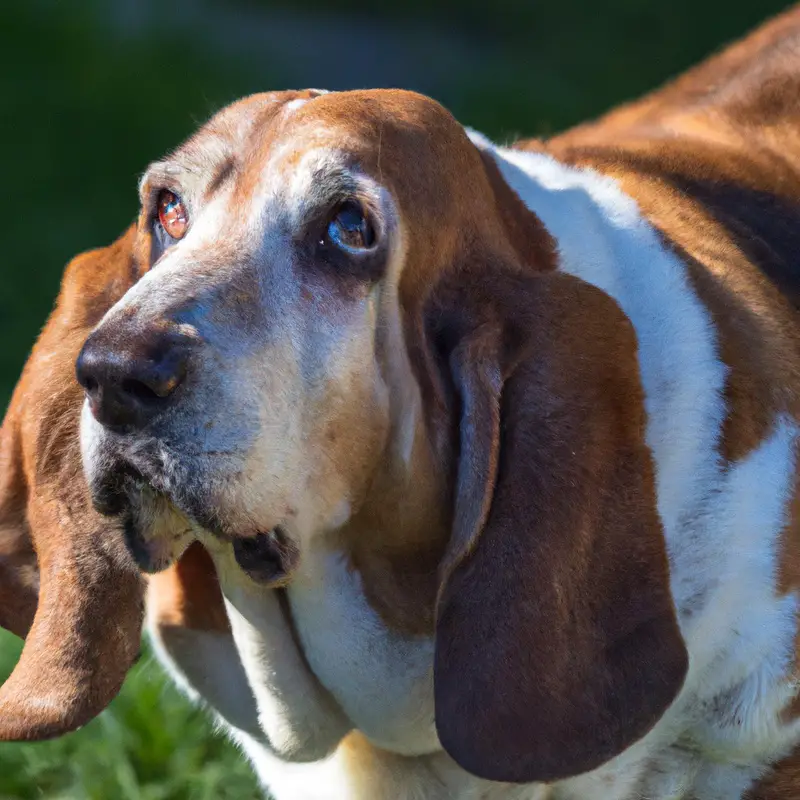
[[400, 569], [713, 159], [84, 634], [554, 482], [782, 783], [187, 594]]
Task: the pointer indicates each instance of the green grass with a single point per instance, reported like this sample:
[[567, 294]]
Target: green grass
[[150, 744]]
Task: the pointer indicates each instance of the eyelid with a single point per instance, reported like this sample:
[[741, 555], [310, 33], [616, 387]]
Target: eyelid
[[163, 175]]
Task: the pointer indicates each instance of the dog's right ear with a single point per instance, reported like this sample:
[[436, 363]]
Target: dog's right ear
[[84, 622]]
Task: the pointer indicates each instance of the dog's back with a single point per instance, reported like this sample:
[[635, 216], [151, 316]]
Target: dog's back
[[726, 136]]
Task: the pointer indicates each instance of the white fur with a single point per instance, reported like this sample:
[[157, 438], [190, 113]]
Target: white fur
[[293, 105], [211, 673], [297, 716], [382, 680]]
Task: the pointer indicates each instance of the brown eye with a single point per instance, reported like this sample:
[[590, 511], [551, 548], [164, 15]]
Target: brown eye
[[349, 229], [172, 214]]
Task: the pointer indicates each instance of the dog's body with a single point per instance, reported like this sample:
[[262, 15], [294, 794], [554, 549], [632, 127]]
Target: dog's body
[[517, 445]]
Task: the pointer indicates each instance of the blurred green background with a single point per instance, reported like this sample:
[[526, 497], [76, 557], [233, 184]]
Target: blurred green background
[[91, 90]]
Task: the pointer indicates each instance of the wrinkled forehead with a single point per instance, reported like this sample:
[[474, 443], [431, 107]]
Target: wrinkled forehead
[[312, 142]]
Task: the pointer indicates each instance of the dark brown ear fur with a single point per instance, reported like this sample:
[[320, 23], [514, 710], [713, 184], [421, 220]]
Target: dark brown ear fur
[[557, 645]]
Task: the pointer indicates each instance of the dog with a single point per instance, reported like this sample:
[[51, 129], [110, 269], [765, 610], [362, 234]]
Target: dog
[[438, 469]]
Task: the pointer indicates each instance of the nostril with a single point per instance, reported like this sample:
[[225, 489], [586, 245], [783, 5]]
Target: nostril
[[90, 385], [140, 391]]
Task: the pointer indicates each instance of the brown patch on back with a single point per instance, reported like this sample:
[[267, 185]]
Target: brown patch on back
[[754, 323], [752, 81]]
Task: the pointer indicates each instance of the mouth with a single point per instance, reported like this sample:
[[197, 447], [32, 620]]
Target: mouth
[[158, 527], [155, 530]]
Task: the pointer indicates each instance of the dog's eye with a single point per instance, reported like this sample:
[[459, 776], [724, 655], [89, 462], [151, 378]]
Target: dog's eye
[[172, 214], [350, 229]]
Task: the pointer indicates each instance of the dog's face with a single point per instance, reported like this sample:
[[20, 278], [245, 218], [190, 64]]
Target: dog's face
[[351, 327], [253, 380]]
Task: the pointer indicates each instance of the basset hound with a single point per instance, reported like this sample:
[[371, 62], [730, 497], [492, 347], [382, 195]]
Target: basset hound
[[456, 470]]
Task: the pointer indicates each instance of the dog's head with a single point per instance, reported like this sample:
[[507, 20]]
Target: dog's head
[[255, 380], [346, 308]]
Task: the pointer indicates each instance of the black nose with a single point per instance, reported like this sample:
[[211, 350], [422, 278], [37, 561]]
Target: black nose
[[131, 379]]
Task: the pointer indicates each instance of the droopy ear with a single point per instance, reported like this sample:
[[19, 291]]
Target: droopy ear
[[557, 644], [85, 632], [19, 572]]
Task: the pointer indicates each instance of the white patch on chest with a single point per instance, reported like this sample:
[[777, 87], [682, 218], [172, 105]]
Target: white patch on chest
[[383, 681]]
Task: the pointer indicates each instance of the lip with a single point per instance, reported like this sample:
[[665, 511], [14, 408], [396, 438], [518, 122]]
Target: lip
[[155, 530], [267, 558], [157, 526], [152, 554], [111, 495]]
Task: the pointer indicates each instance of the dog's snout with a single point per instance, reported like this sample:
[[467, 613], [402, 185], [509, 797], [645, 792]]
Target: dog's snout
[[130, 380]]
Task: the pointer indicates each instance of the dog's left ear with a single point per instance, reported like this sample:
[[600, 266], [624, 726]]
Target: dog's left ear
[[557, 645], [19, 569], [67, 583]]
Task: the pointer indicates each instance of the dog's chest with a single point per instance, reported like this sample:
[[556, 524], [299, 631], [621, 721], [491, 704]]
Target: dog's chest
[[382, 680]]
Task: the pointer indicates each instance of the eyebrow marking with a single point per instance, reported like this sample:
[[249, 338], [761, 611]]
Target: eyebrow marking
[[169, 168], [295, 104], [223, 173]]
